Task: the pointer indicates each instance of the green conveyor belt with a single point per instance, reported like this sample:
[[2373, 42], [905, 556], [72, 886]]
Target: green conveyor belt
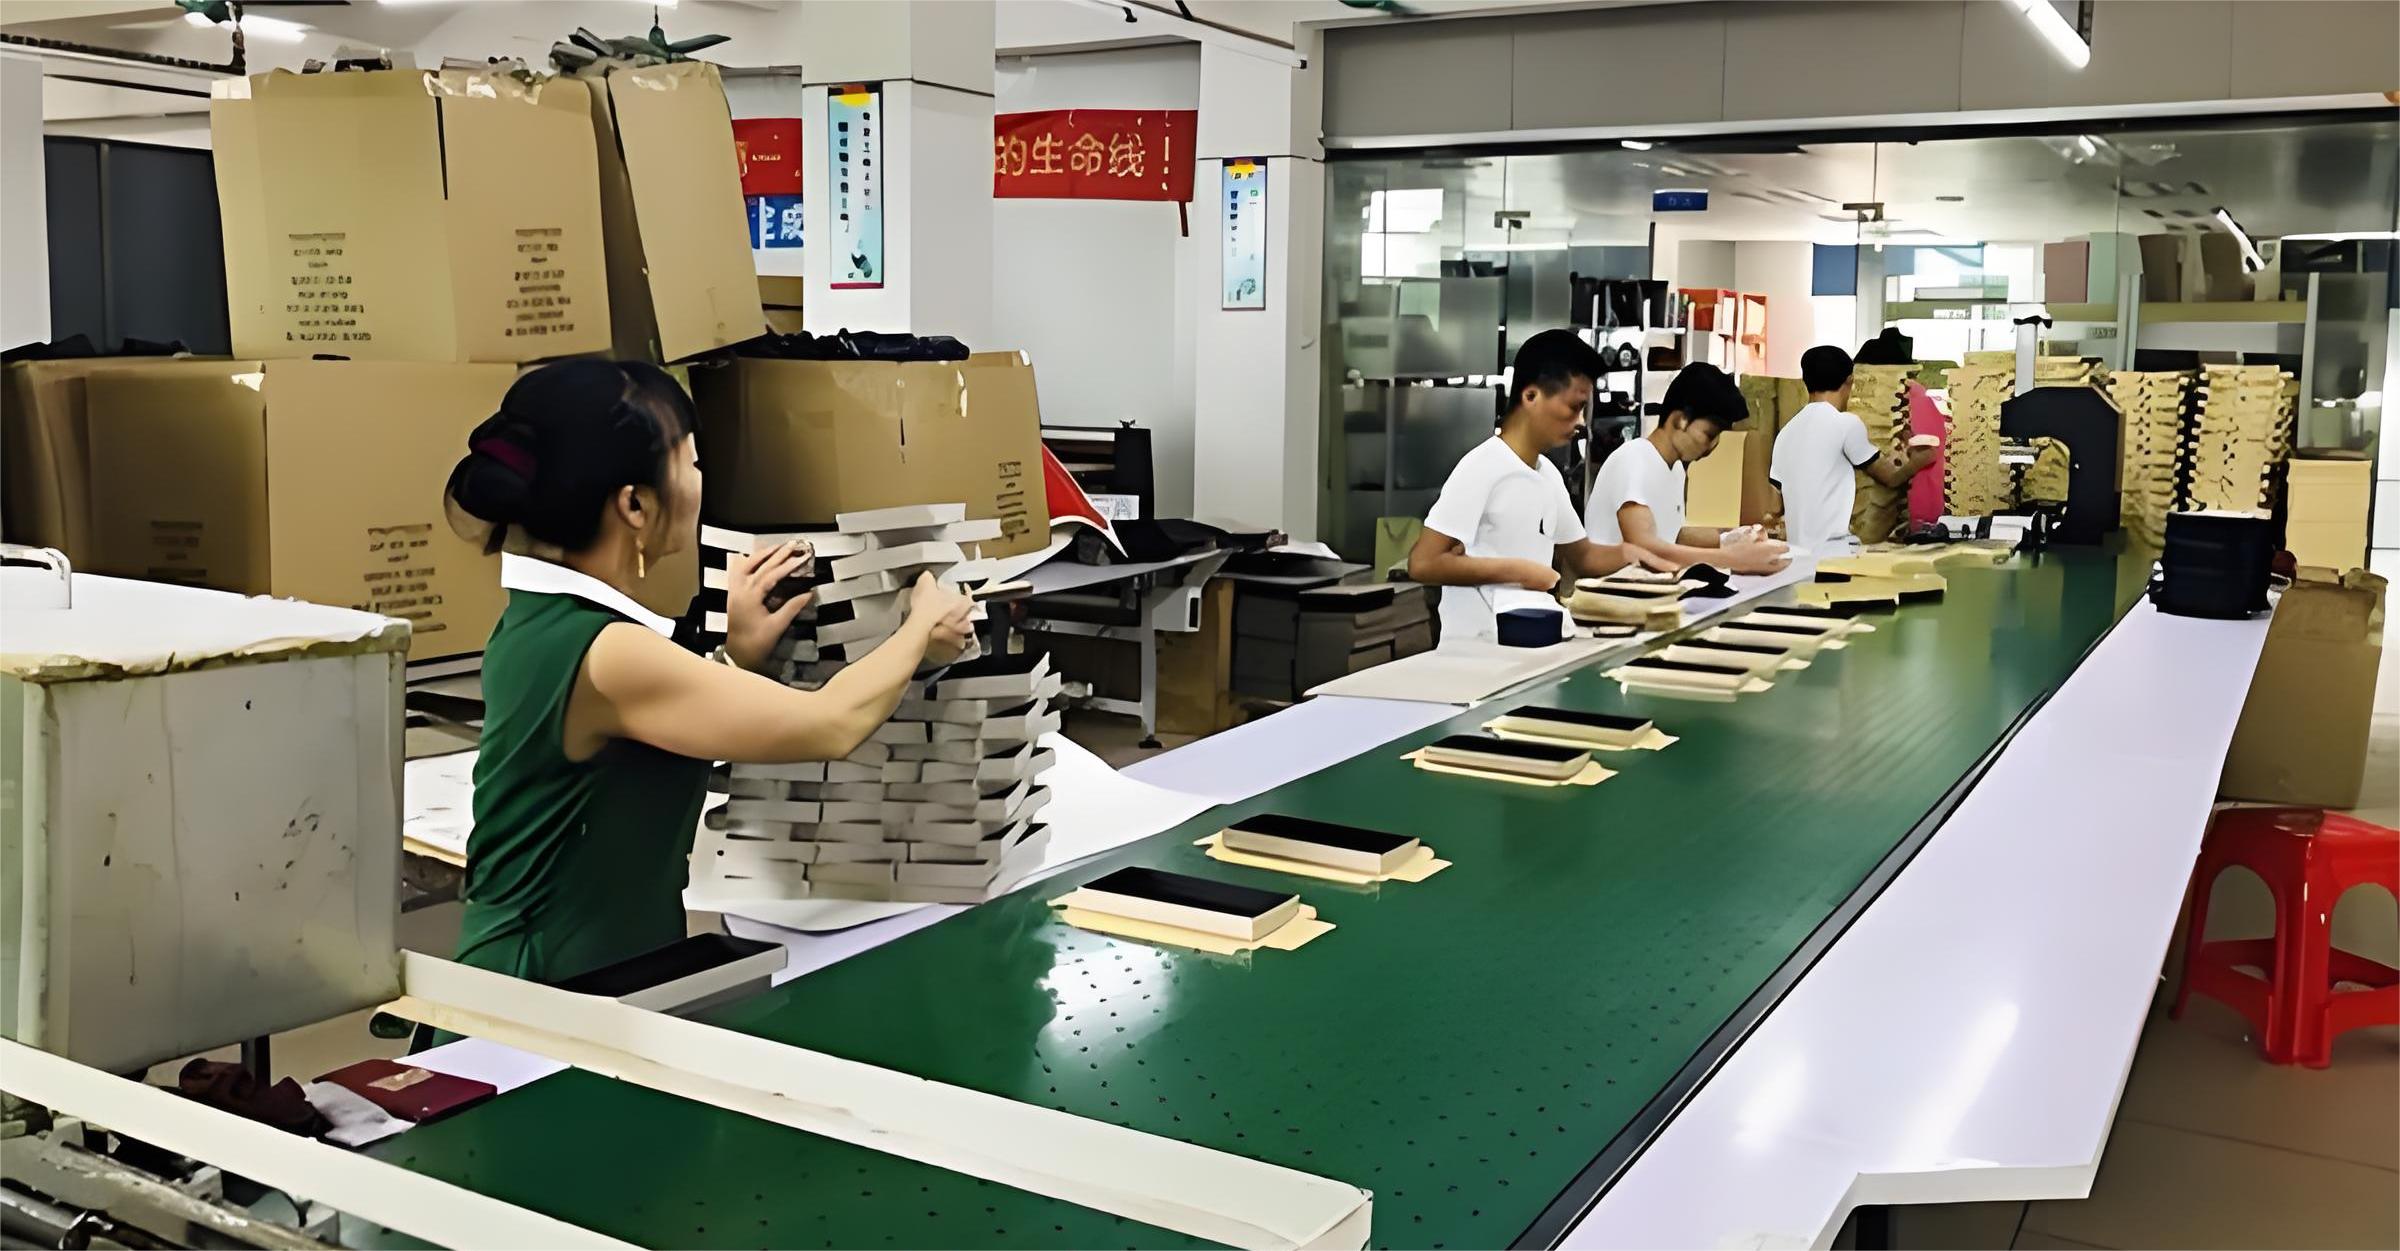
[[1463, 1047]]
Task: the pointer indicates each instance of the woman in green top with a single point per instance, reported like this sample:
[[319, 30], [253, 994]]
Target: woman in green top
[[599, 729]]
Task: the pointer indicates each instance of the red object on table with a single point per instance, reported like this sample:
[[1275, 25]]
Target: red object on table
[[1095, 154], [2308, 858], [412, 1094]]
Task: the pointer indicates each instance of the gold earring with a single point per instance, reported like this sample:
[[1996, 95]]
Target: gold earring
[[641, 562]]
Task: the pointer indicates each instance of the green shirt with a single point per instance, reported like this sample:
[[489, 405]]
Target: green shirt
[[572, 865]]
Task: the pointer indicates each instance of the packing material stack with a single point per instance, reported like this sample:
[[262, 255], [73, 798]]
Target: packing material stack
[[398, 245], [942, 804], [2152, 404], [1879, 397]]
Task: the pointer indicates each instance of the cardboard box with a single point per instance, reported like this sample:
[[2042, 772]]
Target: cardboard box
[[2162, 268], [791, 443], [45, 453], [311, 480], [2303, 734], [410, 215], [2221, 274], [2066, 272], [1195, 670], [685, 283]]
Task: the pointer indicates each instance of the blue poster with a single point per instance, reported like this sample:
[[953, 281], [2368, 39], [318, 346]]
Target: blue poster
[[854, 183], [774, 221]]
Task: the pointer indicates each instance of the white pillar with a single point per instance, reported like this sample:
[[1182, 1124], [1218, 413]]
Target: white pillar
[[933, 61], [1255, 452], [24, 209]]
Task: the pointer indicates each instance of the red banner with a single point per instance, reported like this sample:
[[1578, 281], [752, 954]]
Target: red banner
[[1094, 154], [769, 150]]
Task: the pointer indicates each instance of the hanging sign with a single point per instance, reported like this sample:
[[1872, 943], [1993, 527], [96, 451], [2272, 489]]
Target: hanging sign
[[1094, 154], [1243, 195], [768, 149], [854, 185]]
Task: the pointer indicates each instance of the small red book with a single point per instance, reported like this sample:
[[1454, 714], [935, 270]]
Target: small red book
[[412, 1094]]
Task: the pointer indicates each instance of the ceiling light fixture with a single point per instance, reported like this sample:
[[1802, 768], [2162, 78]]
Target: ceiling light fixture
[[2055, 30], [2252, 262], [271, 29], [2340, 236], [1638, 145]]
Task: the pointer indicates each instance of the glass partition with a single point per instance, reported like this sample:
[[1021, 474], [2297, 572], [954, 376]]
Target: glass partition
[[2145, 247]]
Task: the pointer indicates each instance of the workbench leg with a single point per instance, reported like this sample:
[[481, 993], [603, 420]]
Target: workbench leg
[[1149, 673]]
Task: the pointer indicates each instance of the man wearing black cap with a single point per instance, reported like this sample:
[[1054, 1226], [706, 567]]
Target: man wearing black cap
[[1504, 520], [1638, 498]]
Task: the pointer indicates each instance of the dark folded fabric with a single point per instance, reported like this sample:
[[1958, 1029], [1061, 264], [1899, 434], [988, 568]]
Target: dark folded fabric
[[81, 347], [232, 1088], [853, 345]]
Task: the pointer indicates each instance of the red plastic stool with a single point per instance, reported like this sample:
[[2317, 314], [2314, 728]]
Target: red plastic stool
[[2308, 858]]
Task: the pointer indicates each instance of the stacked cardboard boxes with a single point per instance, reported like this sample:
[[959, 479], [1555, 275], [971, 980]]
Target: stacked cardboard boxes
[[2243, 435], [1974, 481], [2152, 405], [940, 804], [1879, 397], [1343, 629], [397, 245]]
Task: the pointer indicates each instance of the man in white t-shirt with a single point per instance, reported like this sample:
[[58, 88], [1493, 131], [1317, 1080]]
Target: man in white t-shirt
[[1504, 521], [1638, 498], [1817, 451]]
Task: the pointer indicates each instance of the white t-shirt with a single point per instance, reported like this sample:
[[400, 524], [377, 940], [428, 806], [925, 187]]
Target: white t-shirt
[[1497, 505], [1816, 458], [1635, 474]]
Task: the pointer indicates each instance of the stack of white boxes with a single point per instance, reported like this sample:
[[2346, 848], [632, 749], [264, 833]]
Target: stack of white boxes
[[940, 804]]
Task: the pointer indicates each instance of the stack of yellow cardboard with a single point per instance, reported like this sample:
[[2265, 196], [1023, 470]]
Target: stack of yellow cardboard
[[2326, 501], [2152, 404], [2245, 432], [1879, 397], [1974, 481]]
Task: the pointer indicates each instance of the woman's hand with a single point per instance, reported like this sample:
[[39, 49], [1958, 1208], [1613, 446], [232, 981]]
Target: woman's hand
[[944, 610], [1533, 575], [756, 617]]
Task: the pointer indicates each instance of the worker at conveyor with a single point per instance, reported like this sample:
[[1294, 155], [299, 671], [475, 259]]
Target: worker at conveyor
[[1504, 522], [1817, 452], [1638, 498], [599, 730]]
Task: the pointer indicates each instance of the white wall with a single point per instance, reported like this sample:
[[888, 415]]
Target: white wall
[[24, 213], [1784, 273], [1101, 293]]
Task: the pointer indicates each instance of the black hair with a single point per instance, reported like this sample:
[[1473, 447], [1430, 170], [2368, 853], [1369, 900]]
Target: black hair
[[1551, 360], [1824, 368], [569, 435], [1703, 392]]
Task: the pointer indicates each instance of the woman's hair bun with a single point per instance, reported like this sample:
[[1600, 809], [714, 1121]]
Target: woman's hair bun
[[493, 482]]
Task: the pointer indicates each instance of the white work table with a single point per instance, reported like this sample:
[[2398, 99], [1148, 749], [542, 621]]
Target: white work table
[[1969, 1036]]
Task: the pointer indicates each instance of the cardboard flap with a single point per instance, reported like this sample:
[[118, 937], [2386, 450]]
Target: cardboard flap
[[2337, 612], [525, 249], [675, 135]]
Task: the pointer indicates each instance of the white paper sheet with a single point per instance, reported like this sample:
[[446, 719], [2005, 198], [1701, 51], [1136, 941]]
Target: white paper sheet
[[437, 800]]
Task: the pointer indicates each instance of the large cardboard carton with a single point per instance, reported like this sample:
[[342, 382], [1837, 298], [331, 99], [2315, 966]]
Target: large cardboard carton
[[2162, 268], [310, 480], [2303, 734], [681, 280], [786, 443], [410, 215], [45, 500]]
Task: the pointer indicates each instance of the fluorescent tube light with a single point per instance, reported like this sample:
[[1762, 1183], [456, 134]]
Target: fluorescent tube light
[[2056, 31]]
